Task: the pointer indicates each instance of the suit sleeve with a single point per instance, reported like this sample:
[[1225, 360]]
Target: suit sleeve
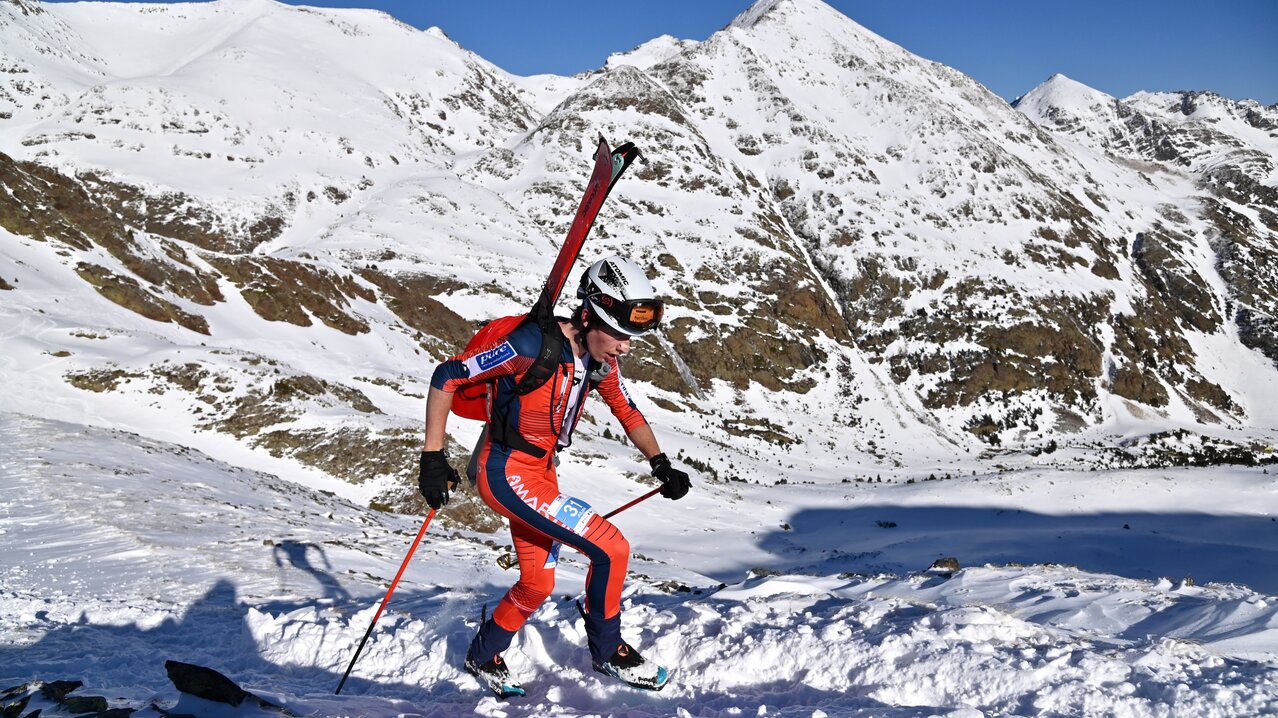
[[511, 355], [613, 391]]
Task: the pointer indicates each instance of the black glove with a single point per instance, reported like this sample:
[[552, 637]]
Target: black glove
[[674, 483], [436, 478]]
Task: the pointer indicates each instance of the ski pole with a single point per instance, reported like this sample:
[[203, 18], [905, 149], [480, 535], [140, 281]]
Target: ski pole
[[508, 561], [648, 495], [382, 607]]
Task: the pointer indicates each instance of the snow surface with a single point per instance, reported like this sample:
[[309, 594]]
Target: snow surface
[[123, 552]]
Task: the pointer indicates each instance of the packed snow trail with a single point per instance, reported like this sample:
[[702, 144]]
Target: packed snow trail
[[121, 552]]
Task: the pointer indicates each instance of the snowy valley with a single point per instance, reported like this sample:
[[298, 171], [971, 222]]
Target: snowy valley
[[906, 321]]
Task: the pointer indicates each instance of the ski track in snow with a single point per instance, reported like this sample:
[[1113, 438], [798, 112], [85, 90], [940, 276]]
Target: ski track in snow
[[122, 552]]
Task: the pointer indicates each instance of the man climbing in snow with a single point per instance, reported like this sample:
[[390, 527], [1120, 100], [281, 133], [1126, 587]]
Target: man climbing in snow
[[515, 462]]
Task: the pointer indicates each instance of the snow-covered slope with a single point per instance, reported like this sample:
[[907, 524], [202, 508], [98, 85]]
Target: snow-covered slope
[[123, 552], [1216, 159], [249, 109]]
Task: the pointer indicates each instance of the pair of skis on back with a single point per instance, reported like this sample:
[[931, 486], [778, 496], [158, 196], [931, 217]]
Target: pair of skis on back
[[608, 169], [471, 402]]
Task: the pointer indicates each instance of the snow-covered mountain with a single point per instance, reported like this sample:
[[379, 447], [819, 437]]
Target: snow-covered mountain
[[1228, 150], [1014, 284], [906, 321]]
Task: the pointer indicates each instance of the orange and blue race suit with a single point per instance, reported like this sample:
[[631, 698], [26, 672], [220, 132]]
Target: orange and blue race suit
[[515, 471]]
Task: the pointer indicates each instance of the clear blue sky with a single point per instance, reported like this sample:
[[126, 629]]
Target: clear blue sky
[[1116, 46]]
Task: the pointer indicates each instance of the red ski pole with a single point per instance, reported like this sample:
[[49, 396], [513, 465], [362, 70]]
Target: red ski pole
[[646, 496], [508, 561], [382, 607]]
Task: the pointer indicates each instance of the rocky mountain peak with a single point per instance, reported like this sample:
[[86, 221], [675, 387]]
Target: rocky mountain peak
[[755, 13], [787, 12], [1072, 108], [26, 7], [808, 28], [650, 53], [1058, 93], [439, 32]]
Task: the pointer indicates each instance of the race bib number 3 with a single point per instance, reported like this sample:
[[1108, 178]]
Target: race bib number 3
[[571, 511]]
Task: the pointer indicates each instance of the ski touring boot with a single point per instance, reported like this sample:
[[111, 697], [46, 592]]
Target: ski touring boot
[[495, 676], [628, 666]]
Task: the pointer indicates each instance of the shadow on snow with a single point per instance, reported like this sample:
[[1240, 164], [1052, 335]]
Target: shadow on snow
[[899, 539], [214, 632]]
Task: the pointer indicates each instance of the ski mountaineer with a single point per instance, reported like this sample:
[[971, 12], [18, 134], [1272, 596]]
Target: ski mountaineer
[[515, 465]]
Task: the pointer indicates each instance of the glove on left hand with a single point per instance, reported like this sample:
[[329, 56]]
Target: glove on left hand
[[674, 483], [436, 477]]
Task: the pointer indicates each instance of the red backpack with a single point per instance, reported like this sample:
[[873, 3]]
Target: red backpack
[[471, 402]]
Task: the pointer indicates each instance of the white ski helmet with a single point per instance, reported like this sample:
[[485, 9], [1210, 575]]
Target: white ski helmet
[[616, 291]]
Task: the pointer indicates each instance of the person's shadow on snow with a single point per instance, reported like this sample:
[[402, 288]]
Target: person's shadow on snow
[[298, 555], [215, 632]]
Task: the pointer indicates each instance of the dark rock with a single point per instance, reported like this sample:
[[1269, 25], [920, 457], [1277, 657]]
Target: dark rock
[[1258, 332], [947, 565], [1159, 255], [205, 683], [58, 690], [84, 704], [13, 710]]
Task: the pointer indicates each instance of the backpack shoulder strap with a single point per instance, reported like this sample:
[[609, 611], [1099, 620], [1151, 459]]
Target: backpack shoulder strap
[[548, 357]]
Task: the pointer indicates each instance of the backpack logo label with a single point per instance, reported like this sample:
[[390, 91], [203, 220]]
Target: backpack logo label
[[491, 359]]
